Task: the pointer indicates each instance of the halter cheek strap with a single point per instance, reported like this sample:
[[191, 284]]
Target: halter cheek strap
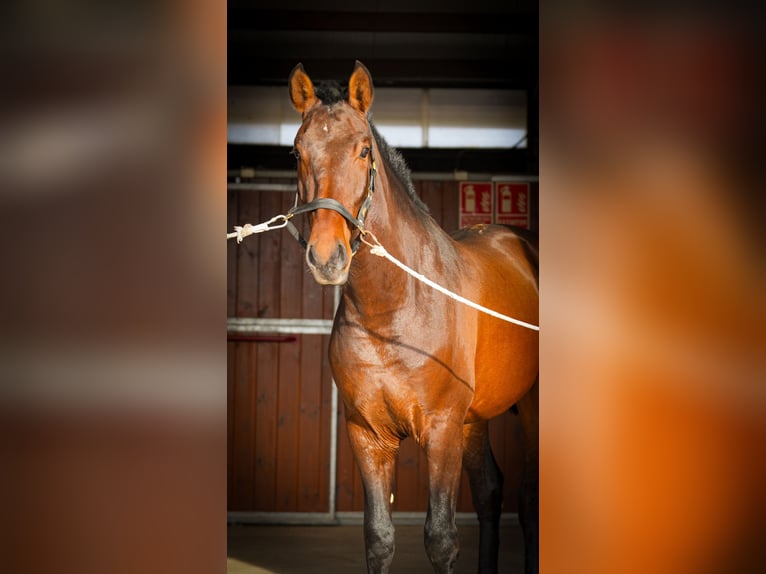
[[337, 206]]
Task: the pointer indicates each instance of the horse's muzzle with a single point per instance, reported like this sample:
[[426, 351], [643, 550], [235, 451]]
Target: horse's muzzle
[[331, 269]]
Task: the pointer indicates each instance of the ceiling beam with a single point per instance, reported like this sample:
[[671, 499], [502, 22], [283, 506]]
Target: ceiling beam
[[405, 22]]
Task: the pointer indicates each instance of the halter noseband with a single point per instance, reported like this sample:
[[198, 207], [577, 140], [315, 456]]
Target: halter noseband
[[337, 206]]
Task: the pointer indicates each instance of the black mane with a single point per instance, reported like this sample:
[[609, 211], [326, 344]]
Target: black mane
[[330, 93]]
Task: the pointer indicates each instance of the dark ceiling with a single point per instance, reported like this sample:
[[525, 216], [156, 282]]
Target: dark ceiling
[[492, 47], [447, 43]]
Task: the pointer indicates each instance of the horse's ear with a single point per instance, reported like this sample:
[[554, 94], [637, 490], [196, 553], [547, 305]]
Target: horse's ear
[[301, 89], [360, 90]]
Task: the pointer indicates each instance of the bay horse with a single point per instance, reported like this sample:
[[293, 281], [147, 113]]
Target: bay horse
[[407, 360]]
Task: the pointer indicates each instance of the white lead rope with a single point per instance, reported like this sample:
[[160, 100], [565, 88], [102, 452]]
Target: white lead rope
[[240, 232], [377, 249]]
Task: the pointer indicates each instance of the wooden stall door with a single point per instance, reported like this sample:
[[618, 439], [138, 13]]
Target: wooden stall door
[[279, 392]]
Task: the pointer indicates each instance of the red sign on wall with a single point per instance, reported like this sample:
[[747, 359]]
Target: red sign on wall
[[475, 202], [512, 204]]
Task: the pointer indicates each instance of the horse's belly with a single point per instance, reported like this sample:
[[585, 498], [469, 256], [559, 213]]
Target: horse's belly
[[503, 375], [505, 362]]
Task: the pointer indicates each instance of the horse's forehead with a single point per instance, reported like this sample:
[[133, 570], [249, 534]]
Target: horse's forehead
[[333, 122]]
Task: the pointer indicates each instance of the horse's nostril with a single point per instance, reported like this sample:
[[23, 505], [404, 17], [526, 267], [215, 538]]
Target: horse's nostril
[[336, 260], [340, 254], [312, 256]]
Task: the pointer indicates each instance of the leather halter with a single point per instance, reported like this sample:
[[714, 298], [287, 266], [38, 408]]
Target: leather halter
[[337, 206]]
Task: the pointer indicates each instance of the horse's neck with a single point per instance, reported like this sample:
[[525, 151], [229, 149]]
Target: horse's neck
[[408, 235]]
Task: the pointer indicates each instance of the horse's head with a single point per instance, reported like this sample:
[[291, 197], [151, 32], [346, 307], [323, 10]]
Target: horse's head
[[333, 147]]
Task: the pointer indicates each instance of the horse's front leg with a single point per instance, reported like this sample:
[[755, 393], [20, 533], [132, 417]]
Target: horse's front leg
[[443, 446], [375, 458]]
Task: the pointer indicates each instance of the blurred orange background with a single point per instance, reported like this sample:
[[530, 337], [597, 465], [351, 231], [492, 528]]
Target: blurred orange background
[[653, 399], [112, 212]]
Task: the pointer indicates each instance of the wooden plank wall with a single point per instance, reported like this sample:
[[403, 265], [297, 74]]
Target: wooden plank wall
[[280, 393]]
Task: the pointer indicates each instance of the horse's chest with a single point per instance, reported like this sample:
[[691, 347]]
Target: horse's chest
[[385, 362], [398, 383]]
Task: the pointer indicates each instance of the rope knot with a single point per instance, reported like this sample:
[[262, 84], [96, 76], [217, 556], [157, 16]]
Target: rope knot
[[378, 250], [242, 231]]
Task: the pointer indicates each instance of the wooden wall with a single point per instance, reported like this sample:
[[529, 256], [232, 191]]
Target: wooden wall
[[280, 392]]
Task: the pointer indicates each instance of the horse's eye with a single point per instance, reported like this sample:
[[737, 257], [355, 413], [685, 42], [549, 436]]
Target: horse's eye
[[295, 153], [365, 151]]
